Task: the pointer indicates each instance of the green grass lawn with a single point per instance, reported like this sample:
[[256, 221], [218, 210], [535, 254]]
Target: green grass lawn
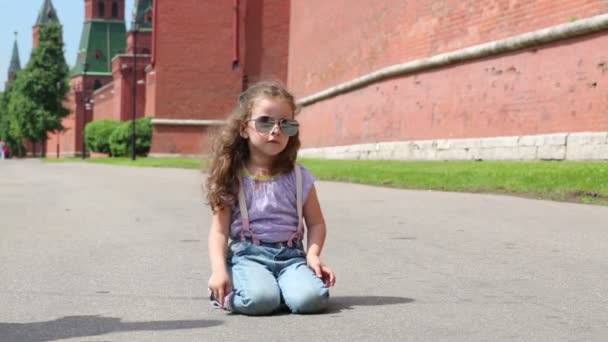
[[584, 182], [181, 163]]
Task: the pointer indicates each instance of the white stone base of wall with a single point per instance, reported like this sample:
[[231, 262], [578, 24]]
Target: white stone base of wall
[[559, 146]]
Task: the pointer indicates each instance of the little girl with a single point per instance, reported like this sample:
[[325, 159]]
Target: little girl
[[260, 199]]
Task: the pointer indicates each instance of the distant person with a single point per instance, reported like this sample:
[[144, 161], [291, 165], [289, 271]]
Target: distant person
[[260, 199], [3, 152]]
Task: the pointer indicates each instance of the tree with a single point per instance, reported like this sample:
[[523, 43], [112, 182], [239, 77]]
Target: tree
[[3, 117], [35, 104], [9, 131]]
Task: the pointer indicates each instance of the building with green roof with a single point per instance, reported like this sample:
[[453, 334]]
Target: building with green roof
[[142, 13], [103, 37]]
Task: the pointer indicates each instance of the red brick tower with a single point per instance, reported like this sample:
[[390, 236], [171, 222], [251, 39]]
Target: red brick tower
[[124, 81], [103, 37], [203, 54]]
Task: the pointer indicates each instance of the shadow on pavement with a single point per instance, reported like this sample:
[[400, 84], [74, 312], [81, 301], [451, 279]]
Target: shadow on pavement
[[339, 303], [81, 326]]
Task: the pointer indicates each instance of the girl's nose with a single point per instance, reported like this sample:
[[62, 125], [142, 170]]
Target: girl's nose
[[276, 129]]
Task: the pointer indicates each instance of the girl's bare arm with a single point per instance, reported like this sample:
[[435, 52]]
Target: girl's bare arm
[[315, 223], [316, 238], [218, 238], [219, 282]]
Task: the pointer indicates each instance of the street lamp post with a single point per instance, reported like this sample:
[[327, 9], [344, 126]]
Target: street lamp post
[[85, 100], [134, 99], [60, 130]]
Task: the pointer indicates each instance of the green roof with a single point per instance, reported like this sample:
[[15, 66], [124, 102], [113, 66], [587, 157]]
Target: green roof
[[47, 14], [141, 7], [15, 65], [100, 41]]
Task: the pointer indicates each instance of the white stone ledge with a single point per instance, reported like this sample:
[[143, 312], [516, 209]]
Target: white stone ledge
[[559, 146]]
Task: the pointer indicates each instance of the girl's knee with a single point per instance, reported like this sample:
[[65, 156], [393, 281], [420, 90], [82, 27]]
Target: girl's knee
[[257, 301], [308, 301]]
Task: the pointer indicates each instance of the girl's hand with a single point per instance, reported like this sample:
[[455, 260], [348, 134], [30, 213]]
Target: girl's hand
[[322, 271], [219, 284]]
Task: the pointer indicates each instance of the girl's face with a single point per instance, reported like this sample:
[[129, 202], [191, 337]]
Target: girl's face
[[266, 110]]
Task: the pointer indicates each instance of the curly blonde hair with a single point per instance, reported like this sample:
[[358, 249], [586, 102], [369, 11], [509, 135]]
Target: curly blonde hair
[[230, 151]]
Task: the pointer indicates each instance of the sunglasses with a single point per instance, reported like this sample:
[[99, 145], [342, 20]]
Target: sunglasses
[[265, 124]]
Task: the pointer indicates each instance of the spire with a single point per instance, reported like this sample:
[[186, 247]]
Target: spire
[[47, 14], [142, 14], [15, 65]]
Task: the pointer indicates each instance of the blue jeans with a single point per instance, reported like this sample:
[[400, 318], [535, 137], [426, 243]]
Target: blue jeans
[[264, 275]]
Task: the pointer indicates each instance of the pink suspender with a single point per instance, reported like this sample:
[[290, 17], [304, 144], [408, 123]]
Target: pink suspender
[[297, 235], [299, 232], [245, 215]]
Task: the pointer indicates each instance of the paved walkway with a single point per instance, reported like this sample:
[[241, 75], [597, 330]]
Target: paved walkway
[[102, 253]]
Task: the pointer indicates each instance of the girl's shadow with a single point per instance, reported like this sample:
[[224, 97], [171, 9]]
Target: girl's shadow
[[85, 326], [340, 303]]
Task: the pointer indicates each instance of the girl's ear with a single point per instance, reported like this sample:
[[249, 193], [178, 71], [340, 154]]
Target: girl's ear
[[243, 133]]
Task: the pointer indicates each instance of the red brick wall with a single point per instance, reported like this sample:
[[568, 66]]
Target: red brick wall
[[144, 42], [70, 141], [91, 9], [266, 40], [333, 41], [181, 139], [122, 71], [193, 61], [150, 92], [65, 140], [103, 107], [557, 88], [544, 90]]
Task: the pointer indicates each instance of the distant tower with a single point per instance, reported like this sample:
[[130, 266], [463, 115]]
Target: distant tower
[[15, 65], [103, 37], [46, 15], [142, 15]]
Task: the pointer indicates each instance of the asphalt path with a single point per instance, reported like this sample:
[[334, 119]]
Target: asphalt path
[[106, 253]]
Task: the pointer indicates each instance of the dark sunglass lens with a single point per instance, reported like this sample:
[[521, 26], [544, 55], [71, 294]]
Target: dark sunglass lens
[[264, 124], [290, 127]]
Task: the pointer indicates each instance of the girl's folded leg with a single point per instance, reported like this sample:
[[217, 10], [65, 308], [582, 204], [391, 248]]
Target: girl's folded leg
[[303, 291], [255, 290]]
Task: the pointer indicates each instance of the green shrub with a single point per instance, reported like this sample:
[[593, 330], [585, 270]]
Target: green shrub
[[120, 139], [97, 135]]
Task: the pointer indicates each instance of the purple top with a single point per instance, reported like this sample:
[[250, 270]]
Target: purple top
[[271, 205]]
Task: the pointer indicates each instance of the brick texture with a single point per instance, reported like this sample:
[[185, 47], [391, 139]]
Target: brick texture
[[266, 40], [185, 140], [193, 62], [333, 41], [193, 75], [549, 89]]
